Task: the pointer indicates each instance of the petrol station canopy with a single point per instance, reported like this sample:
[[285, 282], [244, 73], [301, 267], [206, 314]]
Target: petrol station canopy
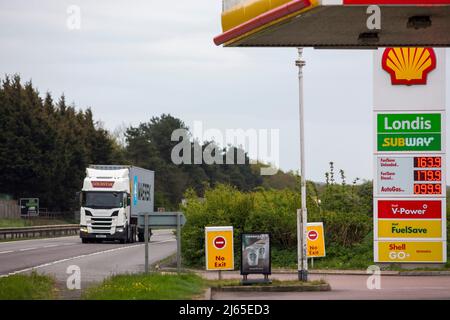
[[334, 23]]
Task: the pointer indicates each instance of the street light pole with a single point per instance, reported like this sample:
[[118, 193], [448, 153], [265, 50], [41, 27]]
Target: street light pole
[[302, 217]]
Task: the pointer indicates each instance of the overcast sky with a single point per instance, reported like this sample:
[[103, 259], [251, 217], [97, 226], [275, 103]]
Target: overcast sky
[[132, 60]]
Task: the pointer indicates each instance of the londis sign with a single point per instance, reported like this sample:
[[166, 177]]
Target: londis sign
[[414, 251], [409, 209], [409, 131]]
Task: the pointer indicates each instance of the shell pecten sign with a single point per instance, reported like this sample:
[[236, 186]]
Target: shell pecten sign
[[409, 66]]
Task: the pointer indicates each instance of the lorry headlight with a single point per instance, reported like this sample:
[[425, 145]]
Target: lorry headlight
[[119, 229], [83, 229]]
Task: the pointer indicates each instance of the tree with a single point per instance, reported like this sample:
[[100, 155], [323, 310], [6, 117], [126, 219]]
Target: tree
[[46, 146], [149, 145]]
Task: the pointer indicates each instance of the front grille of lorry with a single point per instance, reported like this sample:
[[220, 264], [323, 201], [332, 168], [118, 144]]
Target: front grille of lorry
[[101, 224]]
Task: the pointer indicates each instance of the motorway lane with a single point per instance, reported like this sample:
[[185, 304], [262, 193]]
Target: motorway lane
[[96, 260], [354, 287]]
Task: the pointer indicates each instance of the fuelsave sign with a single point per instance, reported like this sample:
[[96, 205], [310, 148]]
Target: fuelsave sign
[[409, 132], [410, 229]]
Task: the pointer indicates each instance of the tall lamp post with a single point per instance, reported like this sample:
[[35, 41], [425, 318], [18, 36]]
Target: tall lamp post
[[302, 216]]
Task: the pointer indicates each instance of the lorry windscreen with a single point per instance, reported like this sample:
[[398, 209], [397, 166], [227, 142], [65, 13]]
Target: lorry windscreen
[[102, 200]]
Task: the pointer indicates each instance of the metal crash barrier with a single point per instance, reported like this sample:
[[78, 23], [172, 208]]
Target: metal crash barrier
[[39, 231]]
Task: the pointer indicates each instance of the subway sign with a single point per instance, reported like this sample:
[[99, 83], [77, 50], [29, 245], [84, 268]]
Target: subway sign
[[409, 132]]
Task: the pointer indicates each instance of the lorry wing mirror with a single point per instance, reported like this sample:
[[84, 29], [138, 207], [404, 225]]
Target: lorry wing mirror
[[128, 201]]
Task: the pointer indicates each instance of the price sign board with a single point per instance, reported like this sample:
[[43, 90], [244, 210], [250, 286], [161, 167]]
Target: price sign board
[[411, 175], [409, 155]]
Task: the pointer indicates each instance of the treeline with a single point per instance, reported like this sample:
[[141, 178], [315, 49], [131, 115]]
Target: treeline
[[347, 233], [45, 146], [149, 145]]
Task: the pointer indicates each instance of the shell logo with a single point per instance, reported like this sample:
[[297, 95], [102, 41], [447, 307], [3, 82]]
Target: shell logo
[[409, 66]]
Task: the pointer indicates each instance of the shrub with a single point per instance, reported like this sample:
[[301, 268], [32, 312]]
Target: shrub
[[272, 211]]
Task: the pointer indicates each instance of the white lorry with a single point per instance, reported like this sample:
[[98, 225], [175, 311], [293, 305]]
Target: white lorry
[[111, 199]]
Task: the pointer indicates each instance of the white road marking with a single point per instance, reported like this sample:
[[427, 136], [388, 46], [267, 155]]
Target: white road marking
[[162, 241], [41, 240], [51, 246], [1, 252], [27, 249], [78, 257]]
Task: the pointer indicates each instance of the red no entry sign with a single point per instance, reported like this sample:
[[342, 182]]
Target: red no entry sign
[[312, 235], [219, 242]]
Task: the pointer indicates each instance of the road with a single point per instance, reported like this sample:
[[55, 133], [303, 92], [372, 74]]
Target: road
[[98, 261], [354, 287], [95, 260]]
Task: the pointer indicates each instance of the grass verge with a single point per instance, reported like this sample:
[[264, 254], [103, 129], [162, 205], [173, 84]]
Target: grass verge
[[160, 286], [17, 223], [27, 287], [155, 286]]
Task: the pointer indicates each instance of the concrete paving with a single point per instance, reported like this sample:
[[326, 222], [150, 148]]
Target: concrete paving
[[349, 287], [98, 261]]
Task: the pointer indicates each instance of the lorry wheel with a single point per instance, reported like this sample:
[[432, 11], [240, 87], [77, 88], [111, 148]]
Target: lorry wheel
[[84, 240], [141, 237], [133, 234], [130, 234]]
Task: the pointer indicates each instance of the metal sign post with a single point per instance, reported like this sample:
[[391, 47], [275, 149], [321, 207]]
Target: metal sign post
[[162, 220], [302, 214], [146, 241], [178, 242]]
